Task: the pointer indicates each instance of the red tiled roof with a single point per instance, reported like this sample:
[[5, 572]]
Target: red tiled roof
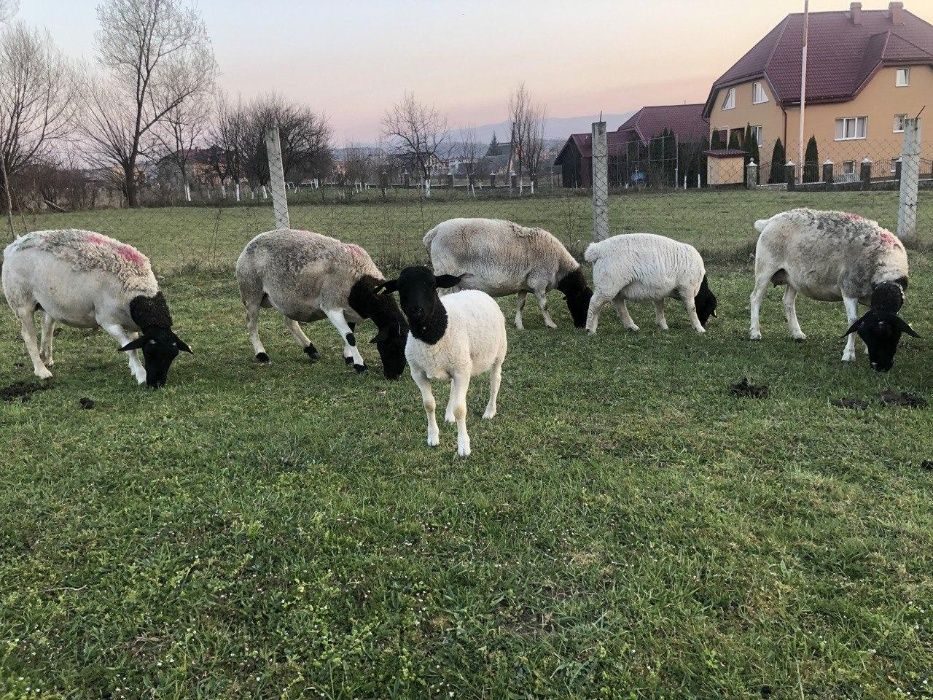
[[584, 143], [725, 153], [686, 121], [842, 53]]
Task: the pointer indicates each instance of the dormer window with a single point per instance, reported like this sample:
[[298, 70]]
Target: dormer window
[[729, 101], [903, 77], [758, 94]]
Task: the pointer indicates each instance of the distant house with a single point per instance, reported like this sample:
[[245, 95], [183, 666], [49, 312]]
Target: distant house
[[866, 71], [630, 146]]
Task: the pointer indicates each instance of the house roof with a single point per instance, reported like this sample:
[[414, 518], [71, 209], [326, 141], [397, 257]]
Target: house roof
[[844, 50], [686, 121], [725, 153], [584, 143]]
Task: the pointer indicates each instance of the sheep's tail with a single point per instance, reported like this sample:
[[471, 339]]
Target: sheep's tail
[[429, 236], [761, 223], [593, 252]]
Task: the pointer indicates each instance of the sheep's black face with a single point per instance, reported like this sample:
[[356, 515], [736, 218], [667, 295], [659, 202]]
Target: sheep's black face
[[160, 348], [577, 294], [417, 290], [705, 302], [881, 332], [391, 347]]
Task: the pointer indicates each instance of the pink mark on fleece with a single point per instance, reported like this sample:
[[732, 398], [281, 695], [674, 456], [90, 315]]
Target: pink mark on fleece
[[852, 217], [888, 239], [96, 239], [127, 252], [355, 250]]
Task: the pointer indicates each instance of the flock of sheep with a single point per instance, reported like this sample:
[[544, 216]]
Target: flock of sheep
[[85, 279]]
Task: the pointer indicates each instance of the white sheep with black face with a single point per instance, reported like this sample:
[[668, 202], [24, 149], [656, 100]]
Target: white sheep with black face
[[88, 280], [648, 267], [833, 256], [500, 258], [307, 277], [456, 337]]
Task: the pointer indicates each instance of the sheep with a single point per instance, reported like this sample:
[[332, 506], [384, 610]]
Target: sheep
[[832, 255], [500, 258], [645, 266], [457, 336], [307, 276], [88, 280]]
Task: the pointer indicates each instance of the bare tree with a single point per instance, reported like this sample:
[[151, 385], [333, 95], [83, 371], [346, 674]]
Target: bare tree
[[527, 126], [179, 133], [227, 135], [157, 56], [36, 99], [471, 151], [418, 133]]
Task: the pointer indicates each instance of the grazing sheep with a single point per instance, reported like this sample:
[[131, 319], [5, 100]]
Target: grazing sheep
[[828, 256], [456, 337], [643, 266], [307, 276], [500, 258], [85, 279]]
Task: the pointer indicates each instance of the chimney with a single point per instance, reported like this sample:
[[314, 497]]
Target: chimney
[[855, 12], [896, 12]]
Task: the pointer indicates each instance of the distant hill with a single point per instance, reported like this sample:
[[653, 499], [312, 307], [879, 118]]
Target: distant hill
[[555, 128]]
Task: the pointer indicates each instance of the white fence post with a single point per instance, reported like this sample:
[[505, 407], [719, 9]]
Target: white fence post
[[910, 181], [600, 182], [277, 178]]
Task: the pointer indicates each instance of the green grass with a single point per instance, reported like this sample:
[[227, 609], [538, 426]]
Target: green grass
[[623, 527]]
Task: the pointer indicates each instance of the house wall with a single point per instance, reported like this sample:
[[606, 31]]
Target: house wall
[[880, 100]]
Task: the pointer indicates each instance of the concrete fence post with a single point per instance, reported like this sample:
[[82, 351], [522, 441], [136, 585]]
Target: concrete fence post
[[492, 181], [277, 178], [910, 182], [828, 176], [751, 175], [897, 169], [600, 182], [406, 180], [865, 173], [790, 175]]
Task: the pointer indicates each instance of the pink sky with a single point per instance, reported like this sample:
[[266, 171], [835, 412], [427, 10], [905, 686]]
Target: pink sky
[[354, 58]]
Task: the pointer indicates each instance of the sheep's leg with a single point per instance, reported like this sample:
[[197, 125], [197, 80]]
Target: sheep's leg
[[848, 355], [303, 341], [519, 305], [45, 345], [623, 314], [691, 307], [252, 327], [790, 313], [495, 379], [758, 295], [659, 317], [460, 382], [427, 400], [347, 350], [118, 333], [597, 302], [28, 331], [340, 323]]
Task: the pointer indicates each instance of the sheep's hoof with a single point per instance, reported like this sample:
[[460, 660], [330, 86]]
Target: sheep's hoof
[[799, 338], [754, 336], [489, 414], [434, 441], [359, 368], [262, 358], [312, 353], [634, 329], [43, 373]]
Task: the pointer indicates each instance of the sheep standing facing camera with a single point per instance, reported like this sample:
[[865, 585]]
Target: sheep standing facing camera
[[456, 337], [88, 280]]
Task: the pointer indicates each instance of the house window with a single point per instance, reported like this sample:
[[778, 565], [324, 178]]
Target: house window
[[756, 134], [729, 102], [899, 123], [758, 94], [850, 128], [848, 167], [903, 77]]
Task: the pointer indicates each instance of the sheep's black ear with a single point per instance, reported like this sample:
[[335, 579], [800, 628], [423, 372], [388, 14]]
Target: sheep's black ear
[[135, 344], [382, 335], [387, 286], [182, 345], [447, 281], [905, 327], [853, 328]]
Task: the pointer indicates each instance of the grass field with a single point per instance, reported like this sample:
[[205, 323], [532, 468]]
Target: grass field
[[624, 527]]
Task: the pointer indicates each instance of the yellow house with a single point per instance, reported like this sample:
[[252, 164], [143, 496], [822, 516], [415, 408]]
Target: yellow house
[[866, 71]]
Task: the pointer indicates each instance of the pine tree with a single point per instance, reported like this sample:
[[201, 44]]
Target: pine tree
[[751, 148], [715, 142], [735, 139], [493, 149], [778, 158], [811, 169]]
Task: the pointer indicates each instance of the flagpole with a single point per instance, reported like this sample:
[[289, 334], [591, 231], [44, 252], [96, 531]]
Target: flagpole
[[803, 84]]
